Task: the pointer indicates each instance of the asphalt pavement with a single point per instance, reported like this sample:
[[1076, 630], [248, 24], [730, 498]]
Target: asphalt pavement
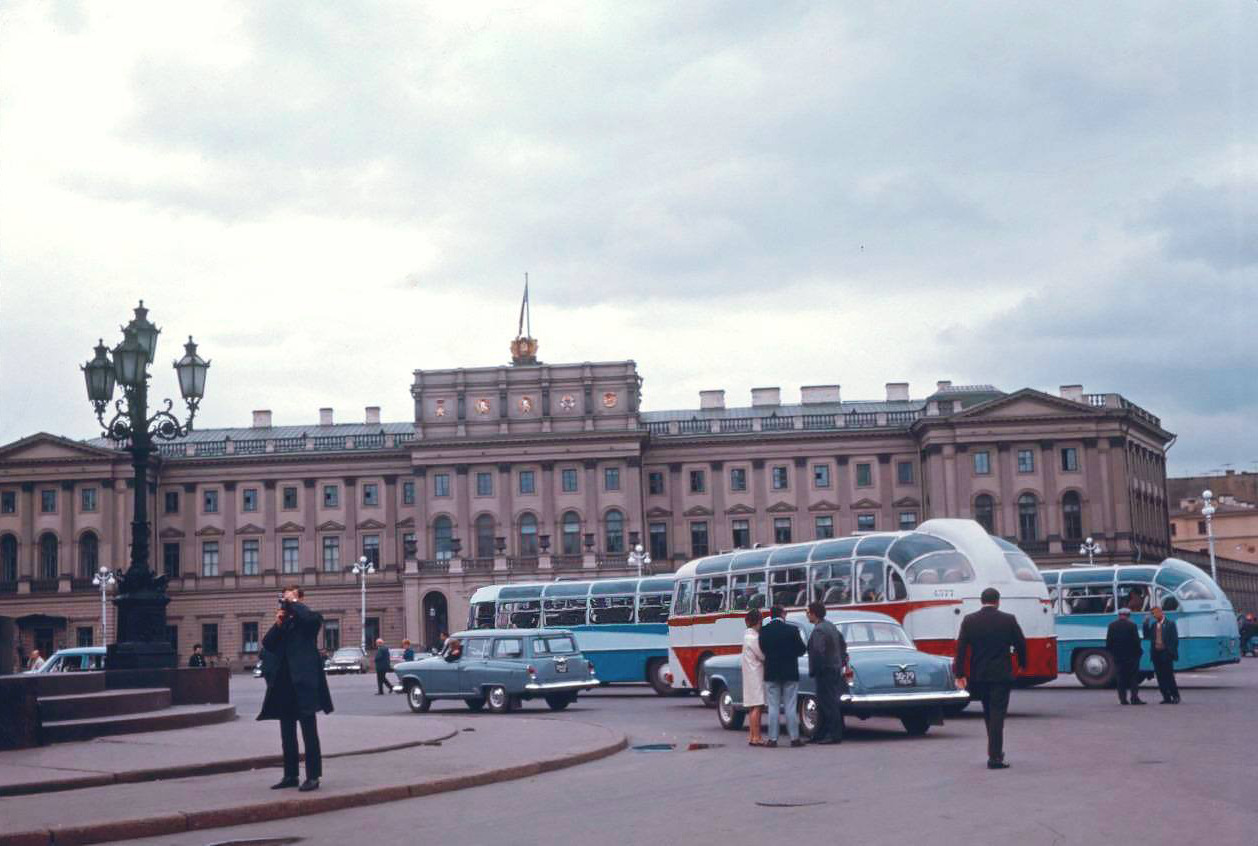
[[1084, 770]]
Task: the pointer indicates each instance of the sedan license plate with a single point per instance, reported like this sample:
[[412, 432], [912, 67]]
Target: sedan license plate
[[905, 678], [561, 666]]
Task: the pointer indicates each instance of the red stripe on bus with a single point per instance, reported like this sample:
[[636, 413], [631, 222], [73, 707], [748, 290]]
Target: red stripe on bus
[[898, 610]]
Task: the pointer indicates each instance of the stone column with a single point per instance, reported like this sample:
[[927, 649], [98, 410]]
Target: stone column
[[107, 528], [506, 511], [591, 502], [1118, 488], [634, 498], [227, 546], [309, 519], [189, 553], [420, 513], [1052, 500], [1008, 504], [463, 503]]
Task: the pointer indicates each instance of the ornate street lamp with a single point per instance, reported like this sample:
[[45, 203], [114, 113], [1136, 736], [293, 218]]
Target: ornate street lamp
[[140, 635], [1090, 548], [104, 580], [638, 559], [1207, 511], [362, 569]]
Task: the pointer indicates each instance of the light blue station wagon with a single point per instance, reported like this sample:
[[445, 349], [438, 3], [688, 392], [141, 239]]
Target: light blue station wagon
[[500, 668], [887, 675]]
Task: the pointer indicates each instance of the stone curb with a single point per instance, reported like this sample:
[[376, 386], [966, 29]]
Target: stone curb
[[233, 765], [178, 823]]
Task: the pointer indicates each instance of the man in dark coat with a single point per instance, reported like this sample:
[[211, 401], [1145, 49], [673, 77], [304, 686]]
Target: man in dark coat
[[296, 688], [382, 668], [782, 644], [827, 656], [1163, 638], [987, 638], [197, 659], [1122, 639]]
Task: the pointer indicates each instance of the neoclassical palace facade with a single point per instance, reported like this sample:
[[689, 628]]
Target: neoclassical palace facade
[[537, 471]]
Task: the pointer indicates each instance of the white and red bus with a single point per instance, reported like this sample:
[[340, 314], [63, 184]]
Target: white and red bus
[[928, 579]]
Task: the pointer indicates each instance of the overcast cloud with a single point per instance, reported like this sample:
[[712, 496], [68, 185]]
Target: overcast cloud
[[329, 195]]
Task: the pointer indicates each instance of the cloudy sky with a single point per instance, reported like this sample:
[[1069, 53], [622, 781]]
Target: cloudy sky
[[330, 195]]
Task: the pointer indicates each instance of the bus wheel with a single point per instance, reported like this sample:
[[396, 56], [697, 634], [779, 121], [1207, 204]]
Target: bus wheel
[[730, 718], [655, 670], [1094, 668], [809, 716]]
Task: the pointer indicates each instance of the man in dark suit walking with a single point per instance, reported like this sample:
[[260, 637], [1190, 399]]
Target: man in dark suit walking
[[1122, 639], [782, 645], [987, 638], [296, 687], [827, 656], [1163, 638], [383, 664]]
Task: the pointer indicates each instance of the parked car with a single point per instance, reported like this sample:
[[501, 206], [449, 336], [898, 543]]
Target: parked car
[[500, 668], [77, 659], [395, 657], [887, 675], [347, 659]]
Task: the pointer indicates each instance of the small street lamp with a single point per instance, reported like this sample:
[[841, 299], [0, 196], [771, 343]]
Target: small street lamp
[[1090, 548], [1207, 511], [362, 569], [104, 580], [637, 558]]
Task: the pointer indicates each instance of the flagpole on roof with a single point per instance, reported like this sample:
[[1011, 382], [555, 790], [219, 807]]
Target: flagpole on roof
[[528, 309]]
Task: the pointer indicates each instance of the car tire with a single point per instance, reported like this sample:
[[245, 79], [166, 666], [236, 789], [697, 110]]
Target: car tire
[[415, 698], [497, 700], [809, 716], [475, 703], [730, 717], [916, 724], [559, 702], [655, 669], [1094, 668]]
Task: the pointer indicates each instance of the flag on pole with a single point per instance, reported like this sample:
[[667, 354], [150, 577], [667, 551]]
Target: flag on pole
[[523, 307]]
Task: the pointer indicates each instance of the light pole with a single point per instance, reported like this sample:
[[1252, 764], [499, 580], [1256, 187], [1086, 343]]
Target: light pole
[[1090, 548], [638, 558], [362, 569], [140, 634], [1207, 511], [104, 580]]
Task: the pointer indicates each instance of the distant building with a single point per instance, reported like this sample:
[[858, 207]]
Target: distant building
[[540, 470], [1235, 527]]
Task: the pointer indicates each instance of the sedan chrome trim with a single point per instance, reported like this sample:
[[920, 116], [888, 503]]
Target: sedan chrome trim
[[572, 685], [901, 698]]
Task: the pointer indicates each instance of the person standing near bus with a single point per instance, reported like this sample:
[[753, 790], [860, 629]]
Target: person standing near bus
[[827, 655], [1122, 639], [1163, 638], [782, 644], [983, 665], [753, 677]]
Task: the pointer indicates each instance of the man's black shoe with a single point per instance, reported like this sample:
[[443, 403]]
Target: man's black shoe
[[1122, 702], [829, 741], [285, 783], [1137, 701], [997, 765], [309, 785], [1167, 702], [795, 744]]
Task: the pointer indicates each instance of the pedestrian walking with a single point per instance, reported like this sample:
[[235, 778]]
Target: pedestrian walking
[[827, 656], [1122, 639], [1163, 638], [1249, 630], [753, 677], [196, 659], [296, 688], [382, 668], [987, 639], [408, 654], [781, 644]]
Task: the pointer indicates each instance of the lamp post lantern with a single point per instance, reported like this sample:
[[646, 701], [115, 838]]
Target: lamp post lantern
[[140, 630], [1207, 511], [362, 569], [637, 558], [1090, 548], [104, 580]]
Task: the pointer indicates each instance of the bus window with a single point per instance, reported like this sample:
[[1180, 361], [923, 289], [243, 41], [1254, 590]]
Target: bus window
[[875, 545], [940, 568], [681, 599], [565, 612], [915, 545], [519, 614], [653, 607], [870, 581], [1024, 569], [832, 582], [710, 595], [789, 586], [1193, 589], [895, 582], [1133, 597], [482, 615], [747, 591], [605, 610], [1088, 599]]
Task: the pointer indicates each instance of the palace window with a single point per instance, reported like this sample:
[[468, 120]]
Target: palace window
[[568, 481], [249, 499], [738, 479], [331, 496], [289, 498], [780, 479], [528, 482], [1070, 459], [484, 484], [87, 499], [1026, 461], [611, 479], [823, 527], [290, 555], [864, 475], [904, 472], [982, 463], [698, 481], [250, 555], [782, 530], [741, 530], [371, 494], [209, 558]]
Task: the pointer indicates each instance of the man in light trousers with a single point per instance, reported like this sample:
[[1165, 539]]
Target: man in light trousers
[[782, 644]]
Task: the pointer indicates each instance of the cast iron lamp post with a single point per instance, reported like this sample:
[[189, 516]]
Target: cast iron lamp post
[[1207, 511], [362, 569], [140, 633], [637, 559], [104, 580], [1090, 548]]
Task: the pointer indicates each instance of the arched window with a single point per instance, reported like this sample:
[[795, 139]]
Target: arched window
[[571, 533], [485, 536], [614, 532], [442, 537], [985, 512], [48, 556], [1028, 517], [89, 555], [528, 535], [1071, 516], [8, 559]]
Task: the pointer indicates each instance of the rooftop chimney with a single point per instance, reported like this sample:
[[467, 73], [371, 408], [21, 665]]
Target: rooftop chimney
[[325, 417], [943, 383], [1074, 393], [262, 419], [711, 399], [373, 415], [897, 391], [766, 396], [814, 394]]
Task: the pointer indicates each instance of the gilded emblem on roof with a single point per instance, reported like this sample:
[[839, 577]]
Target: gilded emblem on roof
[[526, 405], [567, 402], [609, 399], [440, 409]]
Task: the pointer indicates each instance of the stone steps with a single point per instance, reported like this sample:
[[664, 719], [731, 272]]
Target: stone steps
[[177, 717], [105, 703]]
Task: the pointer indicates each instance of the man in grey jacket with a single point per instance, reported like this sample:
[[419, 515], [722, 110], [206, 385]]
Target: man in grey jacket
[[827, 656]]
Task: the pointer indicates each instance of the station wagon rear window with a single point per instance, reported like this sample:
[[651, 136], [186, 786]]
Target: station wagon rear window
[[510, 647], [554, 645]]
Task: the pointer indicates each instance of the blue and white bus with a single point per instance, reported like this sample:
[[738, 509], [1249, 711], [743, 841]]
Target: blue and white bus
[[1086, 600], [621, 624]]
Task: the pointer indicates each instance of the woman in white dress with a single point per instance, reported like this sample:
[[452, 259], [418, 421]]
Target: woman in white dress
[[753, 676]]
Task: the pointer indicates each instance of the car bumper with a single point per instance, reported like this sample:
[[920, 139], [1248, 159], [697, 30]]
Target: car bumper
[[552, 687], [939, 697]]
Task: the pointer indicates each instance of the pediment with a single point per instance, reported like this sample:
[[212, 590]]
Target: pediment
[[170, 533], [371, 524], [780, 508], [210, 531], [658, 512], [824, 505], [697, 511], [907, 502], [740, 509], [406, 523], [331, 526], [866, 503], [45, 447], [290, 528], [1027, 402], [251, 529]]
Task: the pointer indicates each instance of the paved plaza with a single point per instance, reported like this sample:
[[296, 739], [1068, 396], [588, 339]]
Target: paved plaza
[[1085, 770]]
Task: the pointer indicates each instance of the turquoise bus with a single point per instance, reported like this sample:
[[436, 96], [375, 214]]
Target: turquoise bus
[[1085, 600], [620, 624]]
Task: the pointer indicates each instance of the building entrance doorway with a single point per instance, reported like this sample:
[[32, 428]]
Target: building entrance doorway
[[436, 618]]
